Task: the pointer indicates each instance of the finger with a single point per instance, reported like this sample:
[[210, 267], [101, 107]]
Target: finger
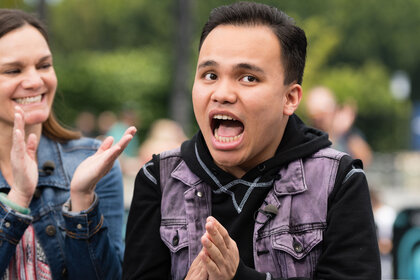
[[196, 262], [19, 110], [18, 131], [221, 230], [215, 237], [106, 144], [131, 130], [18, 144], [31, 145], [212, 269], [19, 122], [118, 148], [197, 269], [128, 135], [212, 251]]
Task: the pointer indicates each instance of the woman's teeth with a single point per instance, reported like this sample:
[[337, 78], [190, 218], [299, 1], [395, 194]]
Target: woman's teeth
[[29, 100]]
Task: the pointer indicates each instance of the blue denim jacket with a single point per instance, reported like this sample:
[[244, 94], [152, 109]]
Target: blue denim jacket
[[85, 245]]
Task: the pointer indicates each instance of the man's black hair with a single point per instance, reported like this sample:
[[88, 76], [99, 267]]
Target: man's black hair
[[292, 38]]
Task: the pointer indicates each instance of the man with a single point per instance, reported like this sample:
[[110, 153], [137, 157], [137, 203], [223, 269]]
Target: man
[[338, 121], [255, 194]]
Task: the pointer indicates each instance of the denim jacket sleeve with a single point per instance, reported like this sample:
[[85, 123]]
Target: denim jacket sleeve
[[12, 226], [97, 232]]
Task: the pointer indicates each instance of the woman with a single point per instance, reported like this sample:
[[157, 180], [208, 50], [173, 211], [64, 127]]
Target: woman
[[58, 218]]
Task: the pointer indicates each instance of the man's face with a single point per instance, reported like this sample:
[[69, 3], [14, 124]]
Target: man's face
[[240, 101]]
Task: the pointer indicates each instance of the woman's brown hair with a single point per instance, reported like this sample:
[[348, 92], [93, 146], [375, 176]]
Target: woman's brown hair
[[10, 20]]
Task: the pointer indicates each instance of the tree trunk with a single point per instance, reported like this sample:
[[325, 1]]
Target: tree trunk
[[180, 97]]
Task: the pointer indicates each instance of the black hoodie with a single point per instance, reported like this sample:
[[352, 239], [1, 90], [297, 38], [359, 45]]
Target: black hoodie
[[298, 141], [144, 246]]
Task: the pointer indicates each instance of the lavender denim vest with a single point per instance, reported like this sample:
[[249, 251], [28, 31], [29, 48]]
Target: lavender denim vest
[[285, 245]]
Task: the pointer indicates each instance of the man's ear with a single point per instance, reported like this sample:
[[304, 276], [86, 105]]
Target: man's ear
[[293, 97]]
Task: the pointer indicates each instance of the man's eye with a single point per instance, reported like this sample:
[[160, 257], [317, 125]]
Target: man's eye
[[249, 79], [210, 76]]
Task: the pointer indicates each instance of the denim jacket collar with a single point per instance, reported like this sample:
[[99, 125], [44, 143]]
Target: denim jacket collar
[[292, 180], [48, 150]]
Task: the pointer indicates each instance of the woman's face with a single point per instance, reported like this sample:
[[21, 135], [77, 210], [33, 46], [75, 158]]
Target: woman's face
[[27, 77]]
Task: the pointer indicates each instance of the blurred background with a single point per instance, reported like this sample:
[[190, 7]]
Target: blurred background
[[132, 62]]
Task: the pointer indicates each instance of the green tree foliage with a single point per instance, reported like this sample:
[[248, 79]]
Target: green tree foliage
[[109, 53], [109, 24], [353, 48], [112, 54], [99, 81], [12, 4], [366, 84]]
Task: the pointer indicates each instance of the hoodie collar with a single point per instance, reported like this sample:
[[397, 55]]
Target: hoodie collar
[[298, 142]]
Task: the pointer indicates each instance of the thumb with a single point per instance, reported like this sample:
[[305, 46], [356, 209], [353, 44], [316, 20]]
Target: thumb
[[31, 145]]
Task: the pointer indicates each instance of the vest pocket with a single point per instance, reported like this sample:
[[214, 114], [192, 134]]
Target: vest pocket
[[298, 245], [174, 234], [296, 253]]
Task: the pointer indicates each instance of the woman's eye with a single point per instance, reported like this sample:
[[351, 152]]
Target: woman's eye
[[210, 76], [45, 66], [12, 71], [249, 79]]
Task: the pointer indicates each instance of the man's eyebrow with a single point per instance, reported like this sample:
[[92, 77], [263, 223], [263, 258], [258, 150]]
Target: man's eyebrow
[[248, 66], [207, 63]]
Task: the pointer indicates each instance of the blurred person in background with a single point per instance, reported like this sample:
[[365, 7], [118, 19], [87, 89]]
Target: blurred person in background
[[129, 157], [164, 135], [58, 218], [338, 121], [106, 120], [86, 124], [384, 216], [126, 118], [255, 193]]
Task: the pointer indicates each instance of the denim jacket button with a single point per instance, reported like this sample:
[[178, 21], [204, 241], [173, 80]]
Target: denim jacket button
[[7, 224], [199, 194], [64, 272], [50, 230], [79, 226], [175, 240], [297, 247], [37, 193]]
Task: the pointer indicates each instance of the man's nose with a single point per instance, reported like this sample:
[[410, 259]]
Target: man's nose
[[224, 92]]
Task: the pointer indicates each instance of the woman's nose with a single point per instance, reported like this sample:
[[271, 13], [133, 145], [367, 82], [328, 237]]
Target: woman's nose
[[32, 80]]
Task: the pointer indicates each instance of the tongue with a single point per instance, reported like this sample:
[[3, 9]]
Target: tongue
[[230, 129]]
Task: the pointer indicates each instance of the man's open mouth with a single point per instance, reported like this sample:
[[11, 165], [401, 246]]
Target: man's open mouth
[[226, 129]]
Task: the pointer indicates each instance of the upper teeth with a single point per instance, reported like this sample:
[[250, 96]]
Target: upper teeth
[[28, 100], [223, 117]]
